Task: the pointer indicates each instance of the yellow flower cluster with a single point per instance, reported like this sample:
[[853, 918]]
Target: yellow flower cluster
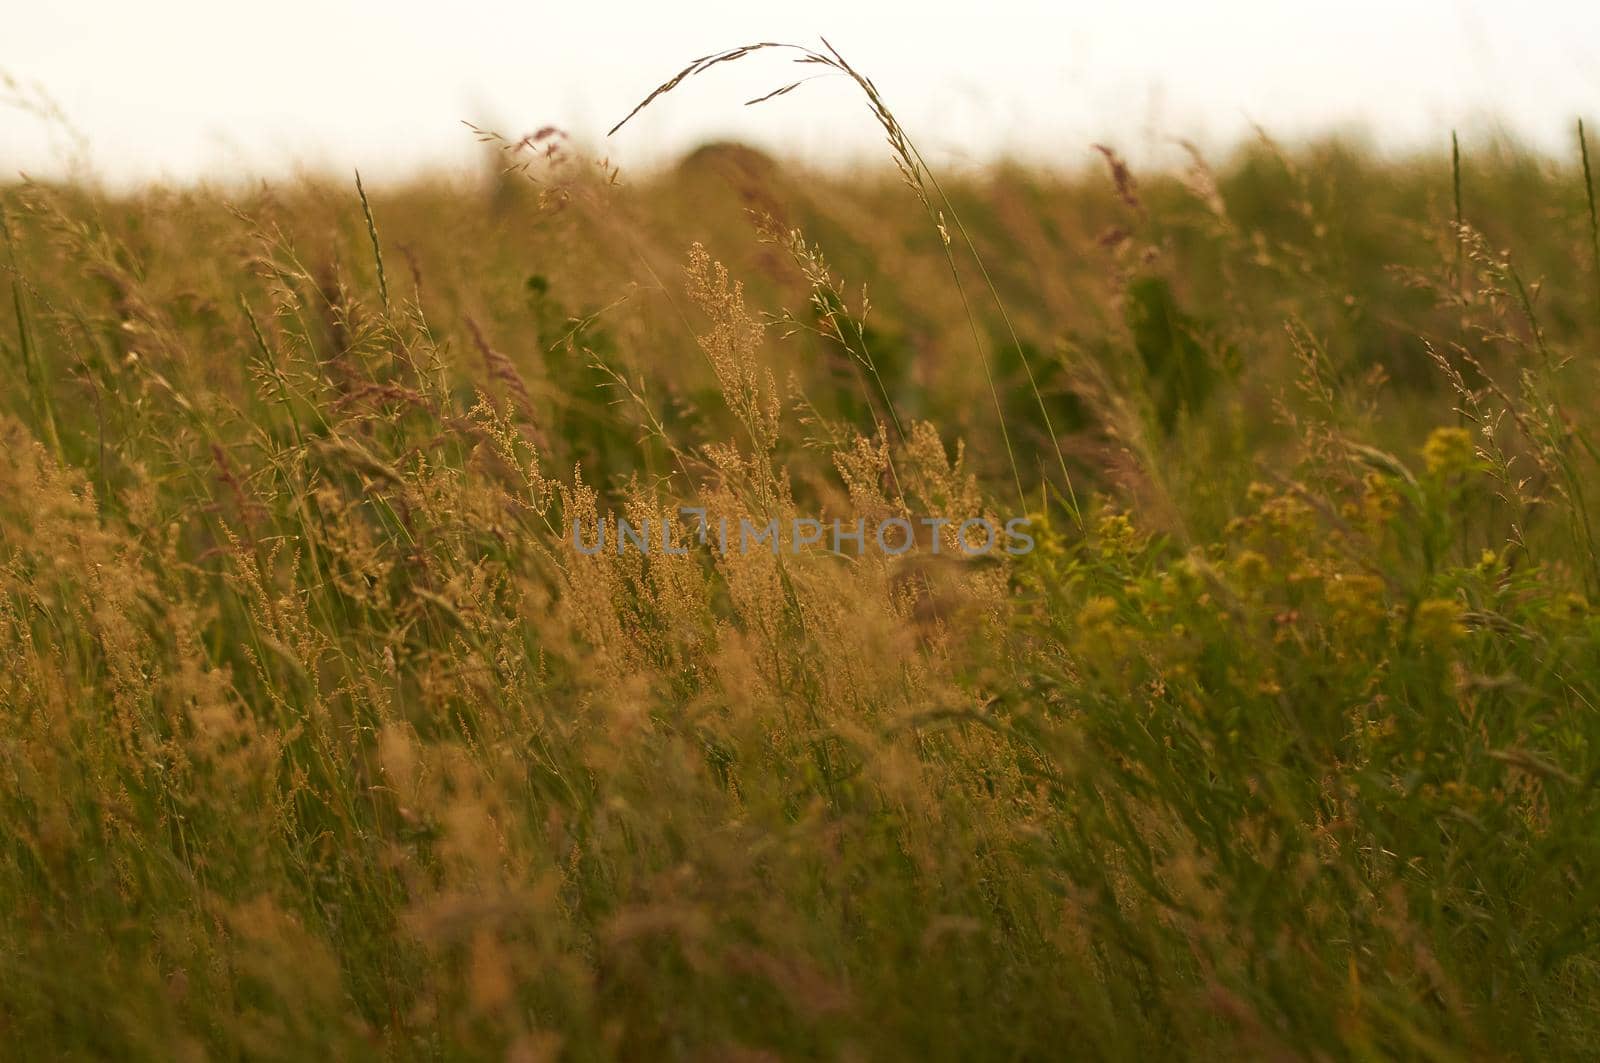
[[1449, 452], [1437, 623]]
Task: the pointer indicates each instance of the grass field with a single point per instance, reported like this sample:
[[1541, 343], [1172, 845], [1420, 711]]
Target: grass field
[[319, 739]]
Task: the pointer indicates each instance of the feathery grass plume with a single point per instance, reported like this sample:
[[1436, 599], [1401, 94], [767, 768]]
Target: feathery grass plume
[[731, 346], [372, 234], [502, 370]]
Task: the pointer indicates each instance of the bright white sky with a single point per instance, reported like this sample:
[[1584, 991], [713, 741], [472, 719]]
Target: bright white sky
[[179, 89]]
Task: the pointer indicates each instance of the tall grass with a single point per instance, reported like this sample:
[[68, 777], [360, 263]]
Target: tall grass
[[318, 735]]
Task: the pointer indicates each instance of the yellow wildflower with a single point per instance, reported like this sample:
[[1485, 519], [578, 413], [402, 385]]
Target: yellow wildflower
[[1438, 623], [1099, 611], [1357, 600], [1116, 535], [1449, 451], [1380, 500], [1251, 568]]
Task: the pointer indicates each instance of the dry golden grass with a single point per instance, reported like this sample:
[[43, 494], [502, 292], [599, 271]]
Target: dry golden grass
[[319, 736]]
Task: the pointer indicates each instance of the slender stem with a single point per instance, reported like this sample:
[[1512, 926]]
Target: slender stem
[[1455, 176], [1594, 218]]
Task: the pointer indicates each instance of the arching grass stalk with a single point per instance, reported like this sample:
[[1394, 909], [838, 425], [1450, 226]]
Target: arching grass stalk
[[919, 178]]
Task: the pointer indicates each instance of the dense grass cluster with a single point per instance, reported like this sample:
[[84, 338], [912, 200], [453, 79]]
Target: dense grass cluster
[[319, 739]]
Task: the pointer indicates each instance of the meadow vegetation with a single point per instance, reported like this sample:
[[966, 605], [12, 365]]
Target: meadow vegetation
[[318, 738]]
